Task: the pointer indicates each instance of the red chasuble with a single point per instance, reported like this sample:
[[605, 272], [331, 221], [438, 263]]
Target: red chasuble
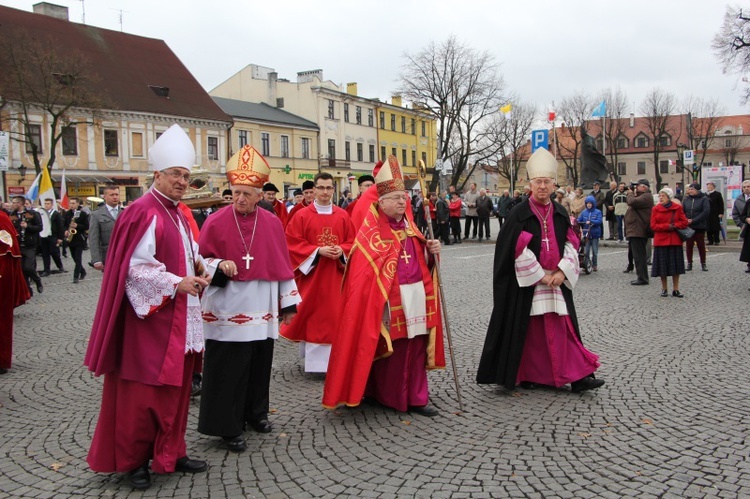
[[371, 280], [149, 350], [297, 207], [13, 288], [317, 316], [280, 209]]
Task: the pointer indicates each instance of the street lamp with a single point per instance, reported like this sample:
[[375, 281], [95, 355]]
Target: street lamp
[[22, 174]]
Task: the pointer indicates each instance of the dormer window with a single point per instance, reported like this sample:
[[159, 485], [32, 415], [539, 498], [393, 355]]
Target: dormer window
[[159, 90]]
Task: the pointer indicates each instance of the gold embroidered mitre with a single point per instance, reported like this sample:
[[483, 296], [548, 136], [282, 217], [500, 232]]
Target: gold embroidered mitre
[[541, 164], [389, 178], [248, 167]]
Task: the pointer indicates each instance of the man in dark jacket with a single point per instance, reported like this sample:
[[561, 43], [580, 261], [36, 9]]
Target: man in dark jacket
[[609, 210], [28, 224], [638, 227], [443, 217], [484, 211], [697, 208], [716, 216], [51, 243]]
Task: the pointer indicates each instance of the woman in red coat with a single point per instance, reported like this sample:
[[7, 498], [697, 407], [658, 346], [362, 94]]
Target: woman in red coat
[[668, 260]]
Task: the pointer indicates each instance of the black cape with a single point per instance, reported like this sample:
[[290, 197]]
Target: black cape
[[506, 333]]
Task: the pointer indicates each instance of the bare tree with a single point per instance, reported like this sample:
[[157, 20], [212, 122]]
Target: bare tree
[[574, 111], [511, 138], [732, 46], [37, 78], [703, 118], [461, 88], [616, 124], [657, 108]]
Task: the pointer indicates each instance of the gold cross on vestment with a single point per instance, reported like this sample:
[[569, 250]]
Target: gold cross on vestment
[[405, 256], [328, 238]]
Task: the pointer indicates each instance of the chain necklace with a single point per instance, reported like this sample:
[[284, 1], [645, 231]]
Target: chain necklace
[[247, 256], [185, 240], [544, 218]]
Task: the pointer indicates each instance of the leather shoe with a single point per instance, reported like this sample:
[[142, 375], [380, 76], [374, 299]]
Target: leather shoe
[[639, 283], [528, 385], [235, 444], [587, 383], [677, 294], [187, 465], [664, 293], [44, 274], [39, 287], [139, 478], [703, 267], [262, 426], [689, 266], [628, 270], [425, 410]]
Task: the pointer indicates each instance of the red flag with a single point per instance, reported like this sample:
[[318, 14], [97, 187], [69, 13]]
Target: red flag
[[551, 114], [64, 193]]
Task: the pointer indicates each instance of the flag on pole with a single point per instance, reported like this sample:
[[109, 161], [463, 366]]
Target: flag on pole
[[64, 193], [506, 109], [600, 111], [33, 193], [551, 114], [46, 191], [671, 163]]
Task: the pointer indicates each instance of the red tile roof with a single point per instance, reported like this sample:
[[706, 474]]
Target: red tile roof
[[124, 64]]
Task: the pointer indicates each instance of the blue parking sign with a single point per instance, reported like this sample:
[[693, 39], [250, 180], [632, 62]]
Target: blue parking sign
[[539, 138]]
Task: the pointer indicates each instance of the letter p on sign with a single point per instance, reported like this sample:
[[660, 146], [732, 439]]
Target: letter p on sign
[[539, 138]]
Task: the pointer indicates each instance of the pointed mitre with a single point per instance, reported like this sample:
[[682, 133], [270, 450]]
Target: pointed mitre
[[389, 178], [172, 149], [541, 164], [248, 167]]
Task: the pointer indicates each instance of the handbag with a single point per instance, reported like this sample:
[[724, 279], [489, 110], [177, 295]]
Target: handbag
[[685, 233]]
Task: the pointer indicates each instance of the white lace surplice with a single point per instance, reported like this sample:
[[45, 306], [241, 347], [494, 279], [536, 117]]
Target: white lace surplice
[[149, 285], [547, 299]]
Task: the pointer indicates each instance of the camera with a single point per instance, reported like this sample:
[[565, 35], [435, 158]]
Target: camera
[[633, 185]]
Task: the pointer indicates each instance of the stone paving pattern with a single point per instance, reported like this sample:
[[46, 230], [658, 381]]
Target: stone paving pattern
[[672, 421]]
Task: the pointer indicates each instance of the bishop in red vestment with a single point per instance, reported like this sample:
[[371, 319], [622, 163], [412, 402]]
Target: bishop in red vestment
[[147, 335], [319, 239], [390, 331], [13, 288]]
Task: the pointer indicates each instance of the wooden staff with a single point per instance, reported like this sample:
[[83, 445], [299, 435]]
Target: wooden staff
[[422, 171]]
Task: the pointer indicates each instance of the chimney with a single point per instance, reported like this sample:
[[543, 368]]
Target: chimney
[[396, 100], [309, 76], [351, 88], [273, 76], [632, 120], [52, 10]]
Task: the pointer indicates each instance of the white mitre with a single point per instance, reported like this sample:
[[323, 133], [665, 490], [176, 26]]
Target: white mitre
[[173, 148], [541, 164]]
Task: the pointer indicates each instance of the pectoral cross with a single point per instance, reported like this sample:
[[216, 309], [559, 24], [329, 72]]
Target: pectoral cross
[[405, 256], [545, 240], [247, 259]]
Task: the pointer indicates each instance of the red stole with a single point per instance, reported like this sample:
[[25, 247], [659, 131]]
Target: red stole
[[280, 209], [150, 350]]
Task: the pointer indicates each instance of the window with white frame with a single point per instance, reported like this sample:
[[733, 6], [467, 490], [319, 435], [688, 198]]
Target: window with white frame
[[622, 168], [213, 148], [641, 142], [330, 109], [372, 153], [358, 115], [70, 141], [111, 146], [664, 166], [641, 166], [242, 138], [265, 144], [346, 112], [370, 117], [306, 148], [284, 146], [347, 151], [360, 151], [34, 135]]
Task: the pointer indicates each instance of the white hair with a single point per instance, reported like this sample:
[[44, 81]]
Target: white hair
[[669, 192]]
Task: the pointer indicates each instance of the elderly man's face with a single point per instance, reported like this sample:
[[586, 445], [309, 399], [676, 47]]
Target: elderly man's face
[[394, 204], [172, 182], [541, 188], [245, 198], [269, 196]]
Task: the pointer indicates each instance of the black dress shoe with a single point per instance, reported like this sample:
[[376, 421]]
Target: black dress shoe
[[689, 266], [639, 283], [39, 287], [677, 294], [235, 444], [628, 270], [195, 389], [262, 426], [703, 267], [187, 465], [75, 280], [664, 293], [425, 410], [139, 478], [747, 271], [3, 370], [528, 385], [44, 274], [587, 383]]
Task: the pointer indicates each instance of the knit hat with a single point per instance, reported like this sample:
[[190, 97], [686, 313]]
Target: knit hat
[[696, 186]]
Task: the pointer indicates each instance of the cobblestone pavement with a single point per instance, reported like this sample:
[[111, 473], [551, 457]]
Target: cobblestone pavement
[[672, 420]]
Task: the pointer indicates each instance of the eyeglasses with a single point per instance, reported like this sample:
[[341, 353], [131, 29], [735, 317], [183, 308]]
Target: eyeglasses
[[324, 187], [175, 174], [397, 197]]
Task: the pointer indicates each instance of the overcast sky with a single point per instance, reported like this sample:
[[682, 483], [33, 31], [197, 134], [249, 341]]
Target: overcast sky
[[547, 49]]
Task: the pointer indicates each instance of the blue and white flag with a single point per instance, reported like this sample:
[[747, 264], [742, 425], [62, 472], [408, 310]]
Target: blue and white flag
[[33, 193], [600, 111]]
